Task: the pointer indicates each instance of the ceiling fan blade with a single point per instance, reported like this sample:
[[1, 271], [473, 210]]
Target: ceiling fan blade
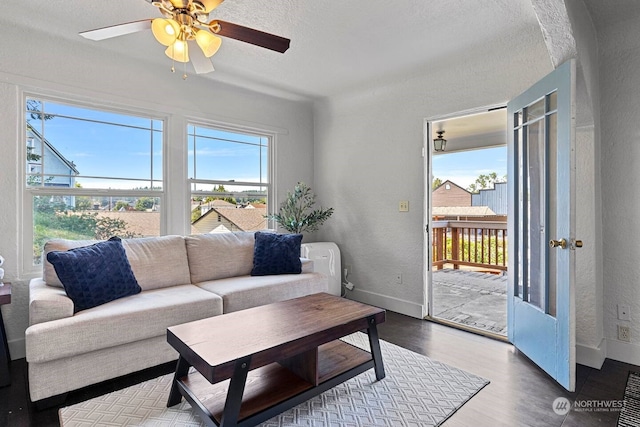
[[201, 64], [117, 30], [255, 37]]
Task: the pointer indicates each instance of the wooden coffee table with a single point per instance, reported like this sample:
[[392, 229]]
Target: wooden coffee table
[[256, 363]]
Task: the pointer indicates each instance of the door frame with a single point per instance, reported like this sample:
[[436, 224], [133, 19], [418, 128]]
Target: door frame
[[427, 291]]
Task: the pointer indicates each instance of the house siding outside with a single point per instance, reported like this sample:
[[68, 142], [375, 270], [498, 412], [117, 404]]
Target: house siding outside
[[450, 194], [52, 162], [495, 198]]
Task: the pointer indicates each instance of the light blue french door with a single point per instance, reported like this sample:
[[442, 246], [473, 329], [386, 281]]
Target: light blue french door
[[541, 314]]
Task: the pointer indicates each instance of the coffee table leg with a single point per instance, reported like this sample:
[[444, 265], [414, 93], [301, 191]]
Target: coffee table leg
[[232, 405], [374, 342], [182, 369]]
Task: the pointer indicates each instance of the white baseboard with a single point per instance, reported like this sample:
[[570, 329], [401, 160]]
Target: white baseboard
[[17, 349], [623, 351], [407, 308], [592, 356]]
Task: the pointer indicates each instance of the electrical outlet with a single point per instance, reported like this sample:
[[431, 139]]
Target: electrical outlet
[[624, 312], [624, 333], [403, 206], [398, 278]]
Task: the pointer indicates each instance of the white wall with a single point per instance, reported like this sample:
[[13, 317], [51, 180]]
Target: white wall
[[591, 347], [42, 64], [619, 50], [368, 158]]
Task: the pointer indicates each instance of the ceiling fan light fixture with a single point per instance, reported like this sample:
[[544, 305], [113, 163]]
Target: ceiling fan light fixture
[[208, 42], [166, 31], [179, 4], [209, 5], [178, 51]]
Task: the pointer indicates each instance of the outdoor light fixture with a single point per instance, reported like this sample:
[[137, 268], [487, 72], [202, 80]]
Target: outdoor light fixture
[[439, 143]]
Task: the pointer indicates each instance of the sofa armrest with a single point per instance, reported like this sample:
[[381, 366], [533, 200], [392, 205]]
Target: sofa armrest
[[47, 303], [307, 265]]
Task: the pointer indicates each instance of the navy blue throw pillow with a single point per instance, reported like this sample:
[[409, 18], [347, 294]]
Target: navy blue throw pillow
[[96, 274], [276, 254]]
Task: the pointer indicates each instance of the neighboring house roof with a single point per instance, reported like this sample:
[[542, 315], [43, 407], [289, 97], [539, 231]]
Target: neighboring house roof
[[139, 222], [244, 219], [451, 183], [462, 211], [217, 203], [63, 159]]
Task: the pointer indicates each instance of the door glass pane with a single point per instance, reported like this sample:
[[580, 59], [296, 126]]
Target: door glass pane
[[553, 101], [522, 229], [536, 242], [536, 110], [551, 200]]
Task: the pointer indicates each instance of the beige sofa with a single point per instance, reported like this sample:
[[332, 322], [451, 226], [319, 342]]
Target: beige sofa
[[182, 279]]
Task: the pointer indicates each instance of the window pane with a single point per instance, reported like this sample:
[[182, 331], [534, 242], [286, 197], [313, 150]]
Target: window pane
[[70, 149], [226, 156], [92, 217], [553, 101], [229, 180], [536, 242], [535, 110], [70, 146]]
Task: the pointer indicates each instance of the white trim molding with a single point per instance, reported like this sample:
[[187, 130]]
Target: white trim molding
[[592, 356], [623, 351], [407, 308]]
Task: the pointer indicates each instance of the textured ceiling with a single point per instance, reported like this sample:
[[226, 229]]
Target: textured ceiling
[[335, 46]]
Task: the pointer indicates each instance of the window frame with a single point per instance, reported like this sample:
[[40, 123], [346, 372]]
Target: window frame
[[27, 193], [271, 186]]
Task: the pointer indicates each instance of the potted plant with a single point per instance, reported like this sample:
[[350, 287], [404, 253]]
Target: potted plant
[[296, 214]]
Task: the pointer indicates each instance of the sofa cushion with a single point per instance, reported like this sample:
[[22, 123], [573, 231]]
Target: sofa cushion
[[95, 274], [158, 262], [138, 317], [48, 272], [276, 254], [243, 292], [218, 256], [47, 303]]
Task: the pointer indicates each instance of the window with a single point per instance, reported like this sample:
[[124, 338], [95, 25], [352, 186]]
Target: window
[[90, 174], [229, 179]]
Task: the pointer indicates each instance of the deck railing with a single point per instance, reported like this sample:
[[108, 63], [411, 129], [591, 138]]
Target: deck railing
[[481, 244]]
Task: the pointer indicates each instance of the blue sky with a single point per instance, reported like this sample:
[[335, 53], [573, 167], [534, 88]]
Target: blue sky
[[117, 145], [464, 167]]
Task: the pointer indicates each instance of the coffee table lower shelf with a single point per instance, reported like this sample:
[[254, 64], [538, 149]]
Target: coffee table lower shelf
[[273, 389]]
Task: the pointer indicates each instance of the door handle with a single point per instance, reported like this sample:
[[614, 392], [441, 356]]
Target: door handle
[[562, 243], [558, 243]]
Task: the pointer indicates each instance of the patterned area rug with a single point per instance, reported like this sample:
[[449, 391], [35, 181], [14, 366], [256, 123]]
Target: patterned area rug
[[630, 413], [416, 391]]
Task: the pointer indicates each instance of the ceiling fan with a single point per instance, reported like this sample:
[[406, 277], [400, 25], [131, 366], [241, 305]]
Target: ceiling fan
[[188, 33]]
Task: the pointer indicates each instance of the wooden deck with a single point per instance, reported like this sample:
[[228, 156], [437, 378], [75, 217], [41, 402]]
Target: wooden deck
[[473, 299]]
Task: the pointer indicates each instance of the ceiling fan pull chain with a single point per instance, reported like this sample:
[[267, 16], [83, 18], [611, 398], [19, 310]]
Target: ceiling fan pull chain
[[184, 76], [173, 61]]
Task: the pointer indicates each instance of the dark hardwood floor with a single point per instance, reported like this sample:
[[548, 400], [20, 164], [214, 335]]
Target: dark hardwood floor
[[519, 394]]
